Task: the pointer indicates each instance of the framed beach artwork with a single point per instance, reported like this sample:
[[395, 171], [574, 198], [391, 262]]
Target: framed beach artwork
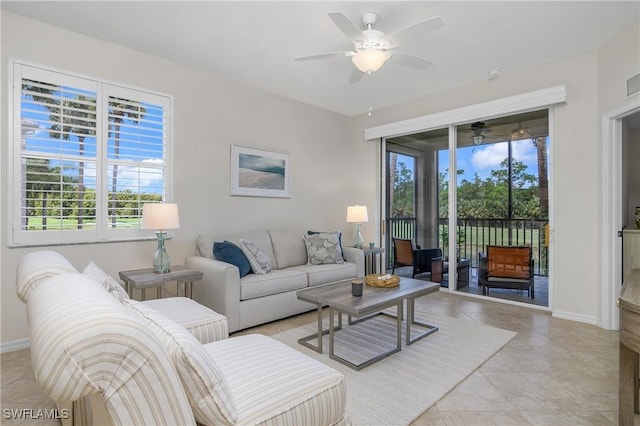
[[259, 173]]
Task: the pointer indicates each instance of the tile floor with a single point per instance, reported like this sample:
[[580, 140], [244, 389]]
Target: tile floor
[[555, 372]]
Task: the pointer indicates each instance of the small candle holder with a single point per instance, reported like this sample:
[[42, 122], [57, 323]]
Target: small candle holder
[[356, 287]]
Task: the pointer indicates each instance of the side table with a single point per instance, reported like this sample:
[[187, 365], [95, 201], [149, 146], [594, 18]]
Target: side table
[[143, 279], [439, 267], [371, 264]]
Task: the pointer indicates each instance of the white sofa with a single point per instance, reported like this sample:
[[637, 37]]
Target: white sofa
[[256, 299], [134, 365]]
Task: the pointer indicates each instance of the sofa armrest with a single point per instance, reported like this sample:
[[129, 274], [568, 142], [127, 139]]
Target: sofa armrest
[[219, 289], [354, 255]]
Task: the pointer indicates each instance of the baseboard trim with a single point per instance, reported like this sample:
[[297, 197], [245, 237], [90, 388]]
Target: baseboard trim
[[588, 319], [15, 345]]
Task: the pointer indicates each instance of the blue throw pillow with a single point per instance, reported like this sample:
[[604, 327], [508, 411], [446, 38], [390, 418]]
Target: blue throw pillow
[[228, 252]]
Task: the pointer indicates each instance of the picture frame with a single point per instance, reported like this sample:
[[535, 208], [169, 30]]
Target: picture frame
[[259, 173]]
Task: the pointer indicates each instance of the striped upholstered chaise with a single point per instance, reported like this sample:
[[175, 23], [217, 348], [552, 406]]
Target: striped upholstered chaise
[[136, 366]]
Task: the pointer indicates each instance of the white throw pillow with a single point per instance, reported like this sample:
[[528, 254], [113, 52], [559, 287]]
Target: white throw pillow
[[204, 384], [111, 285], [258, 259], [324, 248]]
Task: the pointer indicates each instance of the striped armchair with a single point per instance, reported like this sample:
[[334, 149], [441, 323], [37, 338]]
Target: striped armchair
[[133, 365]]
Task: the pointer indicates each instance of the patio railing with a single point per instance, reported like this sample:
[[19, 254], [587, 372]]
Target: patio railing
[[478, 233]]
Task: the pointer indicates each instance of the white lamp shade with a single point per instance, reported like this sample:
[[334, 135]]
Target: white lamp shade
[[160, 216], [369, 60], [357, 214]]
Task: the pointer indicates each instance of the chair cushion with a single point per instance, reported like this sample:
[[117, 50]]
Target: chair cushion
[[323, 248], [106, 281], [205, 324], [509, 261], [275, 384], [207, 390], [226, 251]]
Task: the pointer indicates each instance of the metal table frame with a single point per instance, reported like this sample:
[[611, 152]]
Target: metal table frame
[[363, 314]]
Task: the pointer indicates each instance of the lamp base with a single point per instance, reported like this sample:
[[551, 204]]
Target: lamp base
[[358, 240], [161, 259]]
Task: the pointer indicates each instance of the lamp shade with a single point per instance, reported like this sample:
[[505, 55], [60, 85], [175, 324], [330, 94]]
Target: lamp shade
[[369, 60], [160, 216], [357, 214]]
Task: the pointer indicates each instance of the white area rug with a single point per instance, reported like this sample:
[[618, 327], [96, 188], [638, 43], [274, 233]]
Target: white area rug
[[397, 389]]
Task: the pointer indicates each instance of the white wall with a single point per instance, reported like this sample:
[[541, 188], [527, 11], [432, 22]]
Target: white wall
[[575, 159], [327, 154]]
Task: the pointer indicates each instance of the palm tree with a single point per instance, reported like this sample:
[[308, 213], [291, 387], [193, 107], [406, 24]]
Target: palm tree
[[119, 110], [78, 118], [543, 180]]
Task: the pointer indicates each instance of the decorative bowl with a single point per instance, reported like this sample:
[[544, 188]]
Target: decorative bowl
[[374, 280]]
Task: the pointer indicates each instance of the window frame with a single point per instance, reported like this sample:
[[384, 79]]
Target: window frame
[[104, 89]]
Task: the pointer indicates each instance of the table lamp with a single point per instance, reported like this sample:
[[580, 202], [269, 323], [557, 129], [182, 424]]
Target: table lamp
[[160, 216], [358, 215]]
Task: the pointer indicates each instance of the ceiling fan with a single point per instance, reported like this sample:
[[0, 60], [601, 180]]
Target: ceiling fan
[[372, 47], [478, 136]]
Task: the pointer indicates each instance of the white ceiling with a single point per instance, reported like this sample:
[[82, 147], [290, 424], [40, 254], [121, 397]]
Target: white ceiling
[[254, 43]]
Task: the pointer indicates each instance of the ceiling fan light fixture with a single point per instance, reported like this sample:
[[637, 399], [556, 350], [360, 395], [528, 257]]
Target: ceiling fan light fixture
[[369, 60], [477, 139], [520, 133]]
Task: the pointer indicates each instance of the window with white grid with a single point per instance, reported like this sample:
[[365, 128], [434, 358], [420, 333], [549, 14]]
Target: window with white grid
[[85, 156]]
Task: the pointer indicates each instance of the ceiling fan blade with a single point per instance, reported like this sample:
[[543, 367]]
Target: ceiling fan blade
[[356, 75], [408, 60], [347, 27], [416, 30], [325, 55]]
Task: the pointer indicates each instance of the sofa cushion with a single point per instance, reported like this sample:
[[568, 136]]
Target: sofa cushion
[[276, 281], [323, 248], [324, 274], [226, 251], [288, 248], [260, 263], [34, 267], [275, 384], [206, 388], [106, 281]]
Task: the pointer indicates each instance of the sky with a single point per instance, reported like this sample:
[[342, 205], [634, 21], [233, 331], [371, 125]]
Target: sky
[[483, 159]]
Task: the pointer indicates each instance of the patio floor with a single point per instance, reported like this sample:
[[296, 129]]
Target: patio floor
[[541, 287]]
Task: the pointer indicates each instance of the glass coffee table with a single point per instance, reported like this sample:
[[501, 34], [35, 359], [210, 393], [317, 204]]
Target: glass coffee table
[[373, 301]]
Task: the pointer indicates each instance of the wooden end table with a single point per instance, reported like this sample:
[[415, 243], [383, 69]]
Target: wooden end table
[[143, 279]]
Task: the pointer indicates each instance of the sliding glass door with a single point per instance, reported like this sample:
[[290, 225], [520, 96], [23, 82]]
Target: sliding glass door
[[501, 198]]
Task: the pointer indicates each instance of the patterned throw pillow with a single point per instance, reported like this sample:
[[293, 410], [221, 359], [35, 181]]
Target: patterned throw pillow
[[339, 239], [323, 248], [111, 285], [258, 259]]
